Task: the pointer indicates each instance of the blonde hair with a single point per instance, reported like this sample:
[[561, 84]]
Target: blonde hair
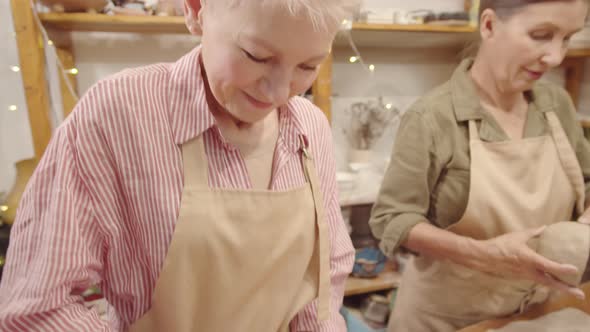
[[323, 14]]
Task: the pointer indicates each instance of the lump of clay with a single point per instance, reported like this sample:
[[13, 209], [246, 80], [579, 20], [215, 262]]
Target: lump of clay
[[566, 243]]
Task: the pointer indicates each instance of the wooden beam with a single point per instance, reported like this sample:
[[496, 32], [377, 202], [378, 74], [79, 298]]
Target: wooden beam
[[69, 100], [322, 87], [32, 64], [574, 73]]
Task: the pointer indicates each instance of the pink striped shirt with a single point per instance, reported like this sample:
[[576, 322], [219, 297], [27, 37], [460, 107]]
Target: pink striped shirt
[[102, 205]]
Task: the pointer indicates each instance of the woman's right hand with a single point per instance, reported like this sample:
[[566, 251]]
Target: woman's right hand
[[509, 256]]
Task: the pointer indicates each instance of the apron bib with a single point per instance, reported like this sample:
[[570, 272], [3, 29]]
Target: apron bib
[[241, 260]]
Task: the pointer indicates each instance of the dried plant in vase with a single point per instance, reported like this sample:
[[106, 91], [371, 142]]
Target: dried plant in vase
[[368, 122]]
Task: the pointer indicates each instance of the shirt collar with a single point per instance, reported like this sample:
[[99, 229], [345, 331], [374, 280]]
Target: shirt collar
[[190, 115]]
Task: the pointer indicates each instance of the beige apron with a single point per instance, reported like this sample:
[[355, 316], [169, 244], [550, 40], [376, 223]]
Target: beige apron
[[241, 260], [515, 185]]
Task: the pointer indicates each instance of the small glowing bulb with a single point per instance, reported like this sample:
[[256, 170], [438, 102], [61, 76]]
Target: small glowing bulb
[[388, 106], [344, 22], [73, 71], [353, 59], [3, 208], [12, 108], [15, 69], [50, 42], [372, 67]]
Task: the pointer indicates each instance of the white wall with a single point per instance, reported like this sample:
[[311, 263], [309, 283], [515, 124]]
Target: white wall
[[15, 133]]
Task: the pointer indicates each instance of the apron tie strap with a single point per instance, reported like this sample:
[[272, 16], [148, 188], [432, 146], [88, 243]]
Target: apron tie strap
[[570, 164]]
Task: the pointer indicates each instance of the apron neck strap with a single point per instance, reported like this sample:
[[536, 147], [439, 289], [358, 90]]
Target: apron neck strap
[[196, 167], [323, 302], [568, 160]]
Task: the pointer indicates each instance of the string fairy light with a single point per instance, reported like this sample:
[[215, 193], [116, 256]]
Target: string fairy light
[[356, 58], [64, 72], [346, 30]]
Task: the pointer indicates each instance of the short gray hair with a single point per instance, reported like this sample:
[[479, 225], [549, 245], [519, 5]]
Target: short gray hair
[[323, 14]]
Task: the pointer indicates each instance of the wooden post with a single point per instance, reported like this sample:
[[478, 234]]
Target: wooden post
[[32, 64], [574, 73], [322, 88], [65, 53]]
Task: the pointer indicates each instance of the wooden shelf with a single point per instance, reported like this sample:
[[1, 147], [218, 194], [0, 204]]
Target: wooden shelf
[[407, 35], [364, 34], [114, 23], [413, 28], [386, 280]]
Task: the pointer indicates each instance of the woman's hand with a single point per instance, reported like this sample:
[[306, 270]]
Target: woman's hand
[[509, 255]]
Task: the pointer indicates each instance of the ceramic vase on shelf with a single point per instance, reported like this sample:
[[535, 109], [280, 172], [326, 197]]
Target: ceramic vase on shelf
[[24, 171]]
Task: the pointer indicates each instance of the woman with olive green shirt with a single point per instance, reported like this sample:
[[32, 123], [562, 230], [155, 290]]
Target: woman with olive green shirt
[[428, 178], [487, 173]]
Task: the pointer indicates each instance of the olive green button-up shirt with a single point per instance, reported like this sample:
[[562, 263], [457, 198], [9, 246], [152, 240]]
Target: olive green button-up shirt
[[428, 177]]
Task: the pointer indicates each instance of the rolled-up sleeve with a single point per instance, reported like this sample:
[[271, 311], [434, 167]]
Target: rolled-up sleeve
[[341, 249], [55, 249], [404, 196]]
